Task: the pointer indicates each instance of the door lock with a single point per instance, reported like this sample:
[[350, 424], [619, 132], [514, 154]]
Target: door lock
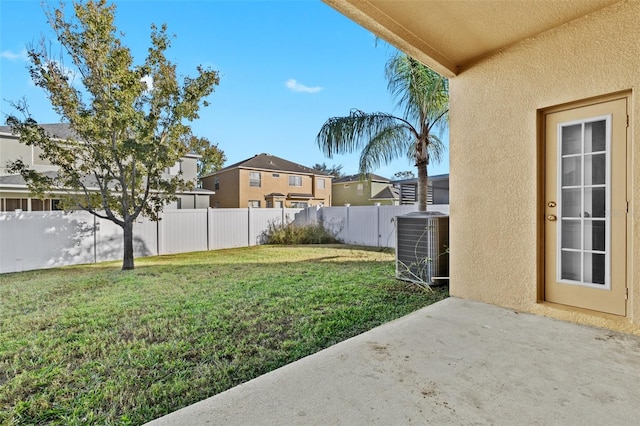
[[552, 218]]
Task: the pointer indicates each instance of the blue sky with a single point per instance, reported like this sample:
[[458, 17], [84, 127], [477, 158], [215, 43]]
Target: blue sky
[[286, 66]]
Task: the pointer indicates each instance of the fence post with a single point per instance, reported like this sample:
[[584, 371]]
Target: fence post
[[378, 222], [208, 228], [158, 234], [95, 241], [249, 226], [347, 224]]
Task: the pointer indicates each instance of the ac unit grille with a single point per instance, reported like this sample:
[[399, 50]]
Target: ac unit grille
[[421, 243]]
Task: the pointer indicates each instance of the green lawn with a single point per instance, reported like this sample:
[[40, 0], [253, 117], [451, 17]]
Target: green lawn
[[94, 345]]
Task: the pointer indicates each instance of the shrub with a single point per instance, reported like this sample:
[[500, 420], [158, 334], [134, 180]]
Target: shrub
[[290, 234]]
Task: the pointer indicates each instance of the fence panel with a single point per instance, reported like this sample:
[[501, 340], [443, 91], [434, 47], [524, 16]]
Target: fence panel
[[306, 216], [228, 228], [260, 219], [38, 240], [362, 225], [335, 220], [108, 243], [387, 225], [183, 231]]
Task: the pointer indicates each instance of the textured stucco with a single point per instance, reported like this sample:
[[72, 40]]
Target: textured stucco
[[494, 160]]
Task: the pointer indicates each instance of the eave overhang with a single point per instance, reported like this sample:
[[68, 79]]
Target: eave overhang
[[450, 36]]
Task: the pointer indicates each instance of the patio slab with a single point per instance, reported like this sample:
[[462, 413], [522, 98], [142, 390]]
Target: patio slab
[[454, 362]]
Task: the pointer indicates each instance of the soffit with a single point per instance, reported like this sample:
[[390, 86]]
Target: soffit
[[450, 35]]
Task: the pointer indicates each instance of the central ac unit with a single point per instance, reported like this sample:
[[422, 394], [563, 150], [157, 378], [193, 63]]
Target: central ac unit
[[422, 240]]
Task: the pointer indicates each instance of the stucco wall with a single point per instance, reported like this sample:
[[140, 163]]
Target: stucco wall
[[235, 191], [493, 154]]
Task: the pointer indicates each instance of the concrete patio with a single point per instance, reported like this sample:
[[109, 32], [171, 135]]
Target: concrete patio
[[454, 362]]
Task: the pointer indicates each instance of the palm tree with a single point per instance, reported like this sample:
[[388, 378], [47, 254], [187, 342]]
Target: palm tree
[[423, 96]]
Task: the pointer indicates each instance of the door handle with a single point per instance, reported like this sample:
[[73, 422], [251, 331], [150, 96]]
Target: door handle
[[552, 218]]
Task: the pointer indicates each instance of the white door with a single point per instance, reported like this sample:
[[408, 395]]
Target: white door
[[586, 207]]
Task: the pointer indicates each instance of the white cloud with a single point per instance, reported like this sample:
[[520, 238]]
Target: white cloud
[[298, 87], [12, 56]]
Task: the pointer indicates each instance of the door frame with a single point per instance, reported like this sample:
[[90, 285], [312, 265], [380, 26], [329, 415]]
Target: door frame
[[541, 196]]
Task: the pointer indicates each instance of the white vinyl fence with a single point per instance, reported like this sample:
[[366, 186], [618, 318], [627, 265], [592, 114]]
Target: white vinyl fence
[[368, 225], [38, 240]]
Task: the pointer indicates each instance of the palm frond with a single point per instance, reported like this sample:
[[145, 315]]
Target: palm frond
[[420, 92], [389, 144], [341, 135], [437, 148]]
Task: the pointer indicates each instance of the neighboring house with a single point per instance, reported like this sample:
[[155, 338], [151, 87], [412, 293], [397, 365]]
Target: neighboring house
[[268, 181], [437, 190], [355, 191], [544, 148], [14, 194]]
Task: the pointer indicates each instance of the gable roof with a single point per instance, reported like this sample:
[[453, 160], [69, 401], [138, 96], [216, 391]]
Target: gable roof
[[356, 178], [271, 162], [63, 131], [56, 130], [388, 193]]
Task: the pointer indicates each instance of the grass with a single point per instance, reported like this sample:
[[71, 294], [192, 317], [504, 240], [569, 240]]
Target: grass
[[95, 345]]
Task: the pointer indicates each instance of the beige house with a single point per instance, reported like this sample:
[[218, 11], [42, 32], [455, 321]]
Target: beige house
[[268, 181], [544, 147], [14, 194]]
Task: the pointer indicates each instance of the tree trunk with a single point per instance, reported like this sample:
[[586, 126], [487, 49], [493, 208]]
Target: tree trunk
[[423, 183], [127, 259]]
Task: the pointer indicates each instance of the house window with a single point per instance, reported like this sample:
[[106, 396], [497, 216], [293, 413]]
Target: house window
[[320, 183], [12, 204], [38, 205], [269, 204], [295, 180], [275, 175], [254, 203], [360, 188], [254, 179], [216, 183], [299, 205]]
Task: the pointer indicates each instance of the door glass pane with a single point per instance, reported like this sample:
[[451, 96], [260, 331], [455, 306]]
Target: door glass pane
[[595, 168], [571, 234], [595, 136], [582, 232], [594, 268], [572, 139], [594, 235], [570, 266], [594, 202], [571, 171], [571, 202]]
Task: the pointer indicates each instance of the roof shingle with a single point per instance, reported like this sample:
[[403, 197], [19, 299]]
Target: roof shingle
[[271, 162]]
